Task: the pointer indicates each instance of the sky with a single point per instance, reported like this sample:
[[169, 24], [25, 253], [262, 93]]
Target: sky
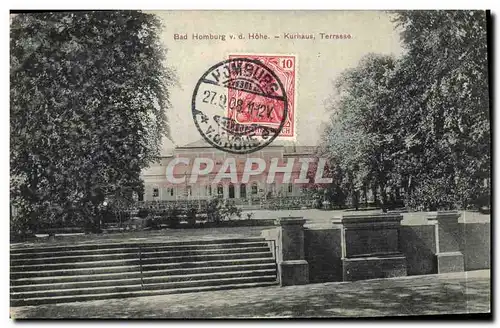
[[319, 61]]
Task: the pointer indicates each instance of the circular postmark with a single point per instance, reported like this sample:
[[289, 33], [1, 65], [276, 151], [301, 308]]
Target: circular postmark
[[239, 105]]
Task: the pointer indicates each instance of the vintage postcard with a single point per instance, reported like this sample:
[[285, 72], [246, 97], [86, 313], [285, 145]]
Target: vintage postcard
[[249, 164]]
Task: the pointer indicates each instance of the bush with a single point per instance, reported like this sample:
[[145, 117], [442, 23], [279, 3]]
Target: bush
[[172, 217], [326, 205], [191, 215], [143, 213], [221, 210], [152, 222], [20, 229]]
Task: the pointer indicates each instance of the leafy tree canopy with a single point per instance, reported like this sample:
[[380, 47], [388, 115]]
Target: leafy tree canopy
[[420, 122], [88, 95]]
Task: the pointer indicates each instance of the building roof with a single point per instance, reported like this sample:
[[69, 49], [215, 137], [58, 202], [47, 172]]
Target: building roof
[[290, 146], [201, 143]]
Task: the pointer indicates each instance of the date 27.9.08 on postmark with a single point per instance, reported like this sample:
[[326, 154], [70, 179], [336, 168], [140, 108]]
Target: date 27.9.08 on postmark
[[242, 104]]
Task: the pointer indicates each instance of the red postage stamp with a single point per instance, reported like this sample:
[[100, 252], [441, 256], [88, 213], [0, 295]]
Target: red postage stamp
[[284, 66]]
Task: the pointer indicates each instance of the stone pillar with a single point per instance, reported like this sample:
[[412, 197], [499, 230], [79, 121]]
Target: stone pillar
[[449, 258], [371, 246], [293, 269]]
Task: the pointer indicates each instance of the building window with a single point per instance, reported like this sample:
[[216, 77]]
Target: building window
[[189, 191], [255, 188], [220, 190], [156, 192], [290, 188], [209, 190], [170, 191], [243, 190]]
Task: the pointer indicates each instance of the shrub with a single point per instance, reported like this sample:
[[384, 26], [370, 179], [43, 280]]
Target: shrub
[[20, 229], [219, 210], [172, 218], [326, 205], [317, 203], [152, 222], [191, 215], [143, 213]]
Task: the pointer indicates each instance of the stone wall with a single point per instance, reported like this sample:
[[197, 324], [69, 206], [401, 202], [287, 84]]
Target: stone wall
[[475, 245], [418, 245], [323, 251]]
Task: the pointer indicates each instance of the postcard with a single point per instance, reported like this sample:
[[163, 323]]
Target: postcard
[[249, 164]]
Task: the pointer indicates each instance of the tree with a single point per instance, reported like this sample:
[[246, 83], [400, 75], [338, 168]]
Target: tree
[[444, 102], [88, 94], [419, 123], [360, 139], [330, 192]]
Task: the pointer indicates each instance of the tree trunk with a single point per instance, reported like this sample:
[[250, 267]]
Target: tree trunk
[[355, 199], [383, 195], [398, 194]]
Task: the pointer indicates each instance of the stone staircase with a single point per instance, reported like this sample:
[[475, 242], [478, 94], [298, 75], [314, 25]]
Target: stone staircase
[[73, 273]]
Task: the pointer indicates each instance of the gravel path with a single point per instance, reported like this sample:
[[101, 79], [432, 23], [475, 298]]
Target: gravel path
[[452, 293]]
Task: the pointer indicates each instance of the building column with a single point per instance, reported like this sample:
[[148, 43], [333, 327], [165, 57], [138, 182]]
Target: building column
[[176, 192], [237, 191]]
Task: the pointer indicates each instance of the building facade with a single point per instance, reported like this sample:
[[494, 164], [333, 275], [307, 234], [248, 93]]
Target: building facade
[[159, 187]]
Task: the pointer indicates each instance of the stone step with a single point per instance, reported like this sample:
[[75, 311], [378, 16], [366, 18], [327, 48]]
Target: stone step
[[137, 261], [55, 277], [146, 254], [209, 262], [58, 285], [154, 254], [47, 272], [99, 271], [138, 287], [70, 247], [146, 248], [90, 297], [85, 271], [75, 285], [209, 282]]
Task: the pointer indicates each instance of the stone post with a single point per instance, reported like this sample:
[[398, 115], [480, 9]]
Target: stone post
[[293, 269], [449, 258]]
